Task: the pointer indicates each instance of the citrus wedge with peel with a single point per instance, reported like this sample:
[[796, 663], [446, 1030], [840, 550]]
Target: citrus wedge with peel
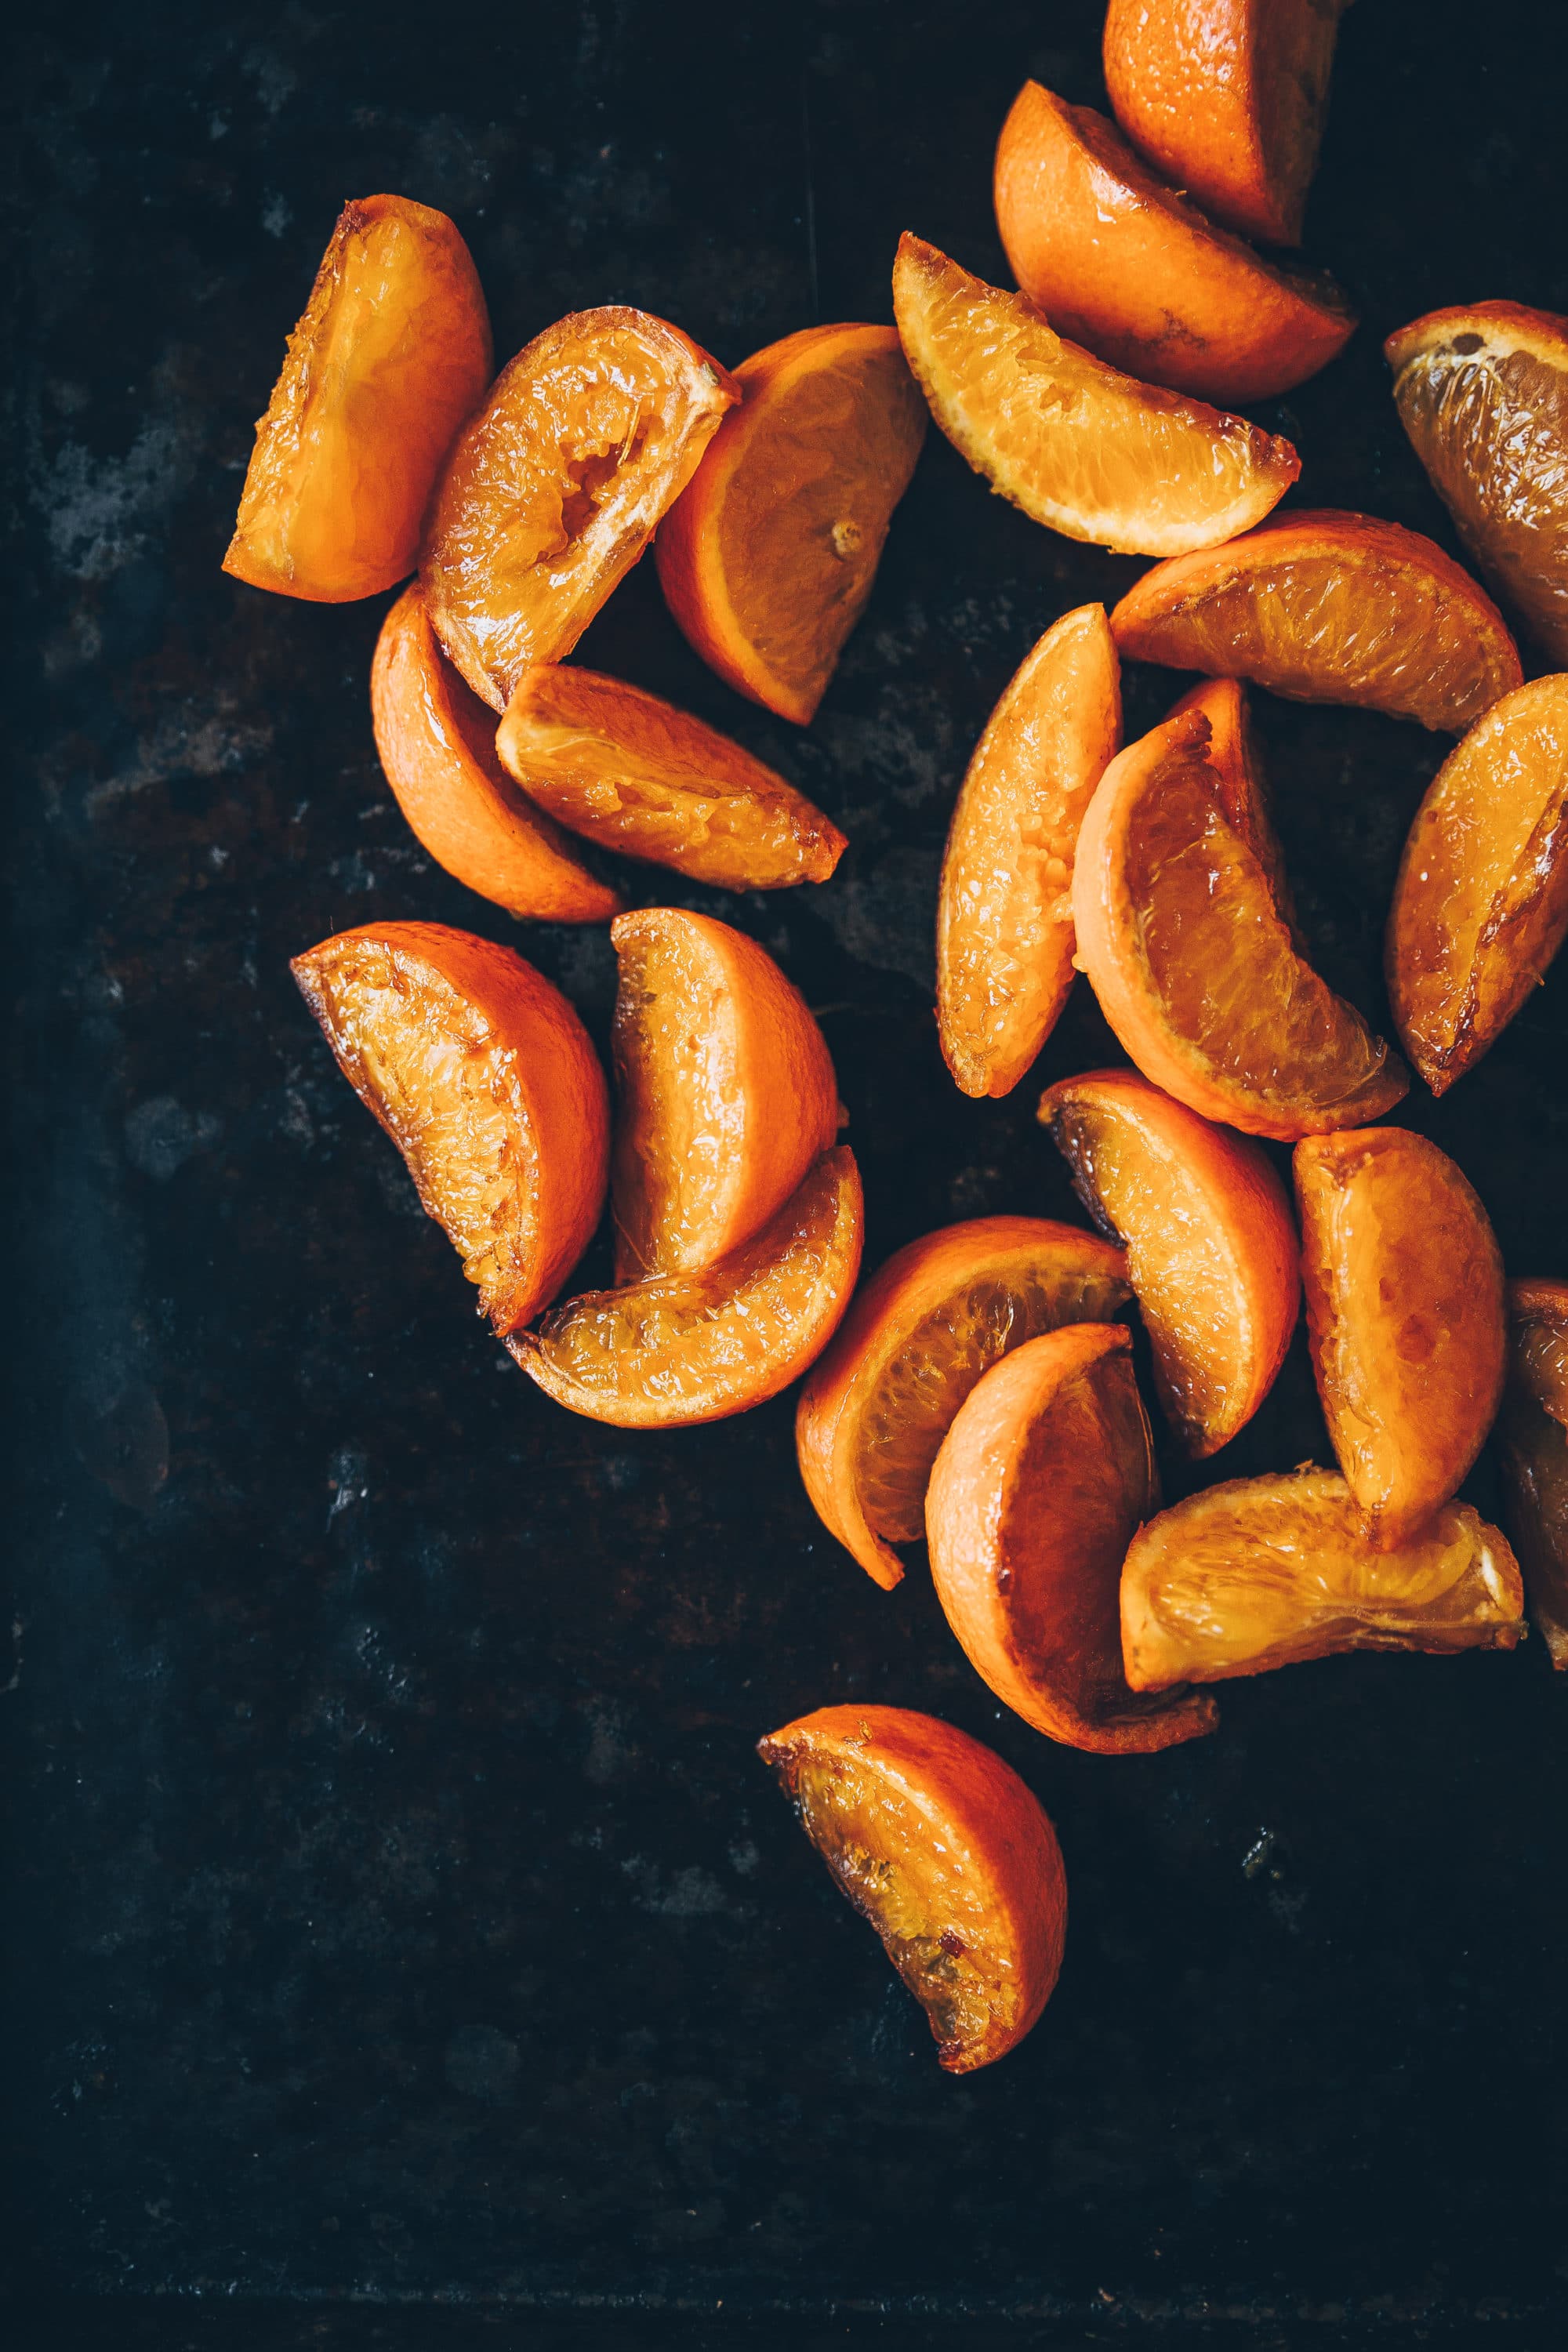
[[1533, 1426]]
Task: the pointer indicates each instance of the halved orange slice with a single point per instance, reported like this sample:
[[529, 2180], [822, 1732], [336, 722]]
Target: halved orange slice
[[928, 1322], [1321, 606], [767, 556], [1265, 1572], [1210, 1248], [1041, 1484], [1004, 924], [634, 773], [1076, 444], [1534, 1430], [1237, 779], [485, 1079], [677, 1349], [941, 1846]]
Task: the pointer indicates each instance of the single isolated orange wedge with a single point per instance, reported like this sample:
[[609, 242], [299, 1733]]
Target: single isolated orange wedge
[[392, 353], [1534, 1430], [767, 556], [1120, 260], [1004, 925], [1210, 1247], [634, 773], [1265, 1572], [1480, 906], [677, 1349], [1483, 392], [1237, 779], [1329, 607], [1077, 445], [1404, 1282], [937, 1315], [725, 1091], [941, 1846], [1042, 1482], [1195, 968], [555, 487], [436, 741], [1227, 97], [485, 1079]]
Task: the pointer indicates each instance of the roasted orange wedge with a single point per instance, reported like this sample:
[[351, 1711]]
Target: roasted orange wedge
[[555, 487], [634, 773], [1329, 607], [1227, 97], [1042, 1482], [1404, 1282], [1076, 444], [725, 1091], [1534, 1428], [392, 353], [1480, 906], [1235, 776], [683, 1348], [1119, 259], [437, 745], [485, 1079], [941, 1846], [1483, 392], [1004, 925], [1210, 1248], [767, 556], [1264, 1573], [1194, 967], [928, 1322]]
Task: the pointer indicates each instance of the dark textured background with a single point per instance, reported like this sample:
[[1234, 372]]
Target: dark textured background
[[397, 1909]]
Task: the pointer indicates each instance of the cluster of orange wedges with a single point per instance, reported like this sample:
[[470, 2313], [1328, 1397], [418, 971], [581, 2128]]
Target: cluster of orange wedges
[[978, 1392]]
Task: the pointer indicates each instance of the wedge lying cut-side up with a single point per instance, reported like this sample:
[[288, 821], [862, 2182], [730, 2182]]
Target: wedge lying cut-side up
[[1534, 1430], [1237, 779]]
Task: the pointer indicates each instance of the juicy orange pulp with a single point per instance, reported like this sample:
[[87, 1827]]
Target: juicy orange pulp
[[1534, 1427], [1237, 779]]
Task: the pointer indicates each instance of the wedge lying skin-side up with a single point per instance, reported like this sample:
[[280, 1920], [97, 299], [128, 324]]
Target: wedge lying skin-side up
[[1534, 1430]]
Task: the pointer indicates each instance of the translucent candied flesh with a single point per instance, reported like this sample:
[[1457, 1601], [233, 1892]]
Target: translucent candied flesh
[[1534, 1430]]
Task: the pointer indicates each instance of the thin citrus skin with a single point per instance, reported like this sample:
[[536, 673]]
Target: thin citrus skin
[[1078, 446], [1120, 260], [1227, 97], [1327, 606], [1041, 1484], [391, 352], [767, 556], [1238, 780], [1534, 1430], [437, 742], [941, 1846], [1211, 1246], [632, 773], [1405, 1312], [1266, 1572], [679, 1348], [486, 1080], [1192, 964], [1004, 925], [927, 1325], [725, 1091]]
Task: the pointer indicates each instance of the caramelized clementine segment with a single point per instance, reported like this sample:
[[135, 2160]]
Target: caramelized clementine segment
[[553, 490], [1483, 393], [767, 556], [726, 1091], [635, 774], [683, 1348], [929, 1321], [1265, 1572], [1329, 607], [437, 742], [1236, 781], [1210, 1248], [1041, 1484], [1194, 969], [1076, 444], [1004, 926], [1123, 262], [941, 1846], [392, 353], [1480, 906], [1535, 1428], [485, 1079], [1404, 1283]]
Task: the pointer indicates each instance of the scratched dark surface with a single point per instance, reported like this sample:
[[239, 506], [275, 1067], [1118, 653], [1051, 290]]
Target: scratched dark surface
[[397, 1910]]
